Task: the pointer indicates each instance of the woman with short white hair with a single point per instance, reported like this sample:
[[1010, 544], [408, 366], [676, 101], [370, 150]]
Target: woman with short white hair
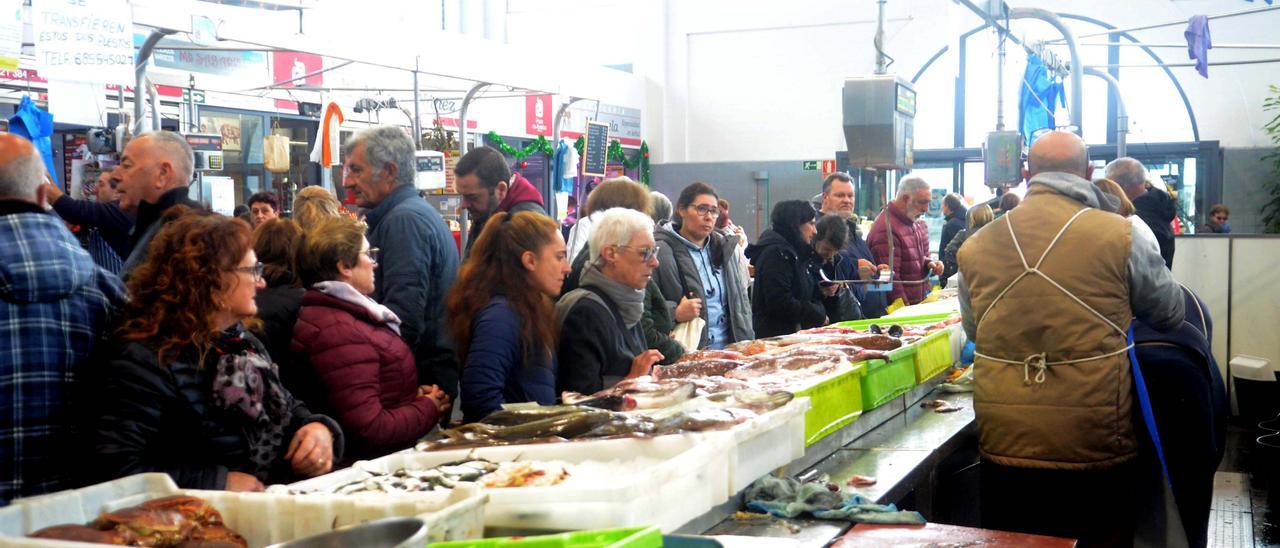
[[601, 339]]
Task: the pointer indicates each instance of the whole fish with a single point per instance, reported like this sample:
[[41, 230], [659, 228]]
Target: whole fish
[[511, 417], [699, 355], [699, 368]]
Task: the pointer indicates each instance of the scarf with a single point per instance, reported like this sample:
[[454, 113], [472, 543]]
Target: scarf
[[345, 292], [630, 302], [247, 386]]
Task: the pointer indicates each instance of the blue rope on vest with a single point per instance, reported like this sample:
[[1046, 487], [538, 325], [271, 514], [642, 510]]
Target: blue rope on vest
[[1144, 402]]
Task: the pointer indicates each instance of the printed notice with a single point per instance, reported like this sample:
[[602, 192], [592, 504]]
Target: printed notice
[[84, 40], [10, 33]]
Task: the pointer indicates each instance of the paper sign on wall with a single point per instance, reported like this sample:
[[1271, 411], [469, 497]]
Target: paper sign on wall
[[84, 40], [83, 103], [10, 33]]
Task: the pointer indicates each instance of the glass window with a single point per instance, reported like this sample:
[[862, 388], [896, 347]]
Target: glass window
[[241, 149]]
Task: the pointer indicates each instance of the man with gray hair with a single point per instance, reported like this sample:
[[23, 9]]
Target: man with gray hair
[[418, 258], [153, 175], [1047, 294], [910, 259], [54, 304], [1152, 205]]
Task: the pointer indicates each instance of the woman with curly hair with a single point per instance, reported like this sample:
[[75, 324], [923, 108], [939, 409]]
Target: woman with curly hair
[[516, 267], [352, 362], [187, 390]]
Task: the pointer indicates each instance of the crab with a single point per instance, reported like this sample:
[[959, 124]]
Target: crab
[[150, 527], [193, 508], [215, 536]]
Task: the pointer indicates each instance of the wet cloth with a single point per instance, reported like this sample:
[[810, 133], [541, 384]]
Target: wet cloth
[[1199, 42], [788, 498]]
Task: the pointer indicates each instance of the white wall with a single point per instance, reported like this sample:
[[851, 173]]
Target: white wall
[[760, 80]]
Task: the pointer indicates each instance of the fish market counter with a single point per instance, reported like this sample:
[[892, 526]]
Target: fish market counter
[[901, 444]]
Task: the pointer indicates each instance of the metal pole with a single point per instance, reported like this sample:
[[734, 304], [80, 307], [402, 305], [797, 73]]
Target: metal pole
[[1211, 63], [1122, 115], [465, 219], [1175, 23], [155, 105], [879, 40], [1000, 84], [417, 113], [1077, 99], [140, 75]]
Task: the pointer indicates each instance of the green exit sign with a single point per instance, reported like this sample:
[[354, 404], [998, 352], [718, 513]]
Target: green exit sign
[[186, 96], [810, 165]]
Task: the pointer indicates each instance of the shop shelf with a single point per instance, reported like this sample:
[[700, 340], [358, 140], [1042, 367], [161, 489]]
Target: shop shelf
[[262, 518], [888, 378], [629, 537], [834, 403]]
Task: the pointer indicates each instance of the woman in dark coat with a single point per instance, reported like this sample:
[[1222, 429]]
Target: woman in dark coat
[[361, 371], [187, 390], [786, 297], [502, 317], [278, 303], [601, 339]]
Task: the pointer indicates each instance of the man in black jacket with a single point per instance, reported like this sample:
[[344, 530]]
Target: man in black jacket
[[153, 174], [1154, 206], [837, 198]]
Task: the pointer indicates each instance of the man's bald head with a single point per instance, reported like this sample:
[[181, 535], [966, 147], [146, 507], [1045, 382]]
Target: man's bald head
[[1060, 151], [21, 169]]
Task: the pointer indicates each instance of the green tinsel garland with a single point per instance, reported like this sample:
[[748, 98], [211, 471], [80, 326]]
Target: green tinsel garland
[[615, 153], [539, 144]]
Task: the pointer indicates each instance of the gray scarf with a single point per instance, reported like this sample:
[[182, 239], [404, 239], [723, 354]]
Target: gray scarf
[[629, 302]]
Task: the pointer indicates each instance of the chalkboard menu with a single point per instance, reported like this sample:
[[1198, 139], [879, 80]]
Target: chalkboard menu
[[595, 149]]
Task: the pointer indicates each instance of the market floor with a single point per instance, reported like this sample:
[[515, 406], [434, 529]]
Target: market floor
[[1241, 515]]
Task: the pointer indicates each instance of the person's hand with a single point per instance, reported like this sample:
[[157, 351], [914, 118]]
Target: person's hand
[[937, 267], [437, 396], [52, 192], [643, 362], [240, 481], [866, 270], [688, 309], [311, 450], [830, 290]]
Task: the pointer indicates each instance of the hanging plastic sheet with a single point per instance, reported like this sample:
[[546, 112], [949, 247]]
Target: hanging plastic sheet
[[1042, 93], [36, 125]]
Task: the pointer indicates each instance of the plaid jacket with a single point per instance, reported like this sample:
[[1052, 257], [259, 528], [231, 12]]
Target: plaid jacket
[[54, 305]]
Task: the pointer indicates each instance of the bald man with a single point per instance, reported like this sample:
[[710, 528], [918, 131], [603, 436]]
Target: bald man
[[1047, 293], [54, 305], [1152, 205], [153, 175]]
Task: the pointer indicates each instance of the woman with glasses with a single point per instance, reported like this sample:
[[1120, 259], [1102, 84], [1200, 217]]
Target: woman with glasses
[[787, 297], [601, 337], [699, 270], [187, 390], [502, 316], [360, 370]]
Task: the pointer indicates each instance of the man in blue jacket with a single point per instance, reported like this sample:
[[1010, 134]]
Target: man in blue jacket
[[108, 223], [54, 304], [418, 259]]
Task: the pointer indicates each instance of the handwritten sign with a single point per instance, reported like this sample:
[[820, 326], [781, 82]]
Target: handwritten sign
[[595, 149], [84, 40]]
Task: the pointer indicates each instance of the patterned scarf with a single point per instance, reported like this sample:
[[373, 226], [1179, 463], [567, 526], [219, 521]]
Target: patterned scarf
[[247, 385]]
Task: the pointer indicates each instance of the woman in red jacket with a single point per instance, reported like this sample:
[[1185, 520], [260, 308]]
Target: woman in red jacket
[[363, 374]]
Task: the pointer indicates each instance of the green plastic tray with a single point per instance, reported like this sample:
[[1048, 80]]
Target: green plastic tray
[[933, 354], [904, 320], [628, 537], [890, 378], [833, 404]]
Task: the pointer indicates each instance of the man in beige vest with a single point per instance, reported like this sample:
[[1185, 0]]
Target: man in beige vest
[[1047, 293]]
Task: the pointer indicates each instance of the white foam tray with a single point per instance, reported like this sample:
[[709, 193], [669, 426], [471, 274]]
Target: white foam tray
[[262, 518], [692, 477]]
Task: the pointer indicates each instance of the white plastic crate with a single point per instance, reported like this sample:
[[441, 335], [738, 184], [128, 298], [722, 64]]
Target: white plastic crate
[[262, 518], [692, 477], [766, 443]]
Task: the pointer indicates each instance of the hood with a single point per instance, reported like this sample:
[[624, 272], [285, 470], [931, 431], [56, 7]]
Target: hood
[[520, 190], [1158, 201], [1076, 188], [770, 238], [40, 261]]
